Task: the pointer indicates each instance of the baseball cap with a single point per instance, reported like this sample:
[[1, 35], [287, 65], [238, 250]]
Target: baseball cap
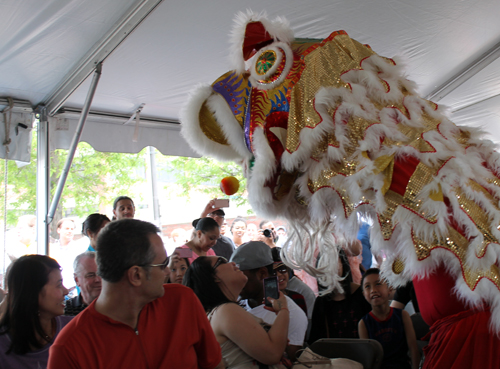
[[218, 212], [278, 265], [252, 255]]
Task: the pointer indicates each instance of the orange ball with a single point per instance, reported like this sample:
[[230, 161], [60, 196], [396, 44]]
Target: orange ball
[[229, 185]]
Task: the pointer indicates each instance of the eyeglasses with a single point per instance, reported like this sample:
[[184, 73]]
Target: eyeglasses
[[282, 270], [212, 215], [220, 260], [162, 266]]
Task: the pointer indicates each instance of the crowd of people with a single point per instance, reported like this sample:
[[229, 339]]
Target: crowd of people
[[133, 309]]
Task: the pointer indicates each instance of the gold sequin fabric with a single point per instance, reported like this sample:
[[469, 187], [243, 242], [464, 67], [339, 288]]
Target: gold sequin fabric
[[324, 64], [458, 246], [210, 127], [374, 119]]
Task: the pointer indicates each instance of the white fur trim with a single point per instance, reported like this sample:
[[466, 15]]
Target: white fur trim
[[282, 50], [233, 132], [194, 136]]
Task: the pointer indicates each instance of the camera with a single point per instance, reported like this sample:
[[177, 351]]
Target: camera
[[267, 233]]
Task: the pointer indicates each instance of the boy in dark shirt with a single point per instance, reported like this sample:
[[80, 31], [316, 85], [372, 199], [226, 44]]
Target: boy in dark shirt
[[390, 326]]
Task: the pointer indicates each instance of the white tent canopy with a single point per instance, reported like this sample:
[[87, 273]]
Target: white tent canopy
[[155, 52]]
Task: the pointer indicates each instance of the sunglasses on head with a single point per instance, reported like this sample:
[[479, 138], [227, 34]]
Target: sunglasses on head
[[220, 260]]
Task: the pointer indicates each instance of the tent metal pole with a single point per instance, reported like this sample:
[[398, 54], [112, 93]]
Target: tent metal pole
[[468, 72], [154, 186], [42, 181], [99, 52], [74, 143]]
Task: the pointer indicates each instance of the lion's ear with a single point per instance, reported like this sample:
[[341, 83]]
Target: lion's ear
[[251, 32], [256, 37]]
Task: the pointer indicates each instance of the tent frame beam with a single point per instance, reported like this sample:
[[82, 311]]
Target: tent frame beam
[[42, 180], [118, 118], [120, 31], [468, 72], [74, 144]]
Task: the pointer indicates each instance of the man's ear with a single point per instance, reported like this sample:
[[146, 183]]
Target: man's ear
[[262, 273], [75, 277], [135, 275]]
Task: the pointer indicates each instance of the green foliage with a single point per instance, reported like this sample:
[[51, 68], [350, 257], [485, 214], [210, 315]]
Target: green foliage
[[94, 180], [204, 175]]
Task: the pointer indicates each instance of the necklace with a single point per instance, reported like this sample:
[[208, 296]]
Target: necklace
[[53, 326]]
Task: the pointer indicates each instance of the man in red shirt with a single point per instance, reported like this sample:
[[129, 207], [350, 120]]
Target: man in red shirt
[[136, 322]]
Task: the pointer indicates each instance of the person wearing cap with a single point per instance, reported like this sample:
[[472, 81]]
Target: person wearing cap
[[224, 245], [283, 273], [297, 290], [256, 262]]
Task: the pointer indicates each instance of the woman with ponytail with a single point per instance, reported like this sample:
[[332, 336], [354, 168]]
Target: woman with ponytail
[[205, 235]]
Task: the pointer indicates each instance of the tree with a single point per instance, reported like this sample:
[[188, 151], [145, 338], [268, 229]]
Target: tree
[[204, 175], [94, 180]]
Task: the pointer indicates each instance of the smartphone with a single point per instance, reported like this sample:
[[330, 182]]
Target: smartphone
[[221, 203], [271, 289], [183, 253]]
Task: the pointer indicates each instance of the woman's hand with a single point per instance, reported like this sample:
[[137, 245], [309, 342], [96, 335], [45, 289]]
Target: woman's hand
[[354, 248], [173, 259], [233, 322], [278, 304]]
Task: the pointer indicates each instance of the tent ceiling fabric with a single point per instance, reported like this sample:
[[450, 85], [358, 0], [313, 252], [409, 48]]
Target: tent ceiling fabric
[[43, 40], [182, 44], [118, 134]]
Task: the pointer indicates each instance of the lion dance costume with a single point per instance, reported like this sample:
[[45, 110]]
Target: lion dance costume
[[326, 131]]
